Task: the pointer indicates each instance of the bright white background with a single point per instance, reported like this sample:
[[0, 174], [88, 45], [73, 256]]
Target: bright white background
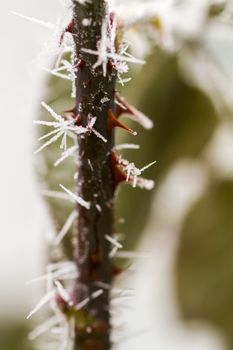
[[21, 212]]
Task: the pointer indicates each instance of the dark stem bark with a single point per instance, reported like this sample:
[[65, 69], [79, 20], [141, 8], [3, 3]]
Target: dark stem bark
[[95, 181]]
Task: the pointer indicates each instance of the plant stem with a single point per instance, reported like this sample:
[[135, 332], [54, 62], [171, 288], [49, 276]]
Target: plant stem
[[95, 181]]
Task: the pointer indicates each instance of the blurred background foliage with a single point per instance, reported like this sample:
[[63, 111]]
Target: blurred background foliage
[[185, 121]]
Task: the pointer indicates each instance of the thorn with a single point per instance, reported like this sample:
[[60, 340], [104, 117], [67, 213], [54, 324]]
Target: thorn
[[123, 107], [77, 120], [68, 29], [98, 327], [61, 303], [111, 18], [119, 175], [72, 110], [80, 64], [117, 271], [111, 66], [76, 117], [113, 123]]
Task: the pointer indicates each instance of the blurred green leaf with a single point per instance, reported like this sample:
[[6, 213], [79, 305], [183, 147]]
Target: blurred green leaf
[[184, 122]]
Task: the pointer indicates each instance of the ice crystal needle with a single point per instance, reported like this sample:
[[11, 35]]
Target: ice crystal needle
[[46, 298], [76, 198]]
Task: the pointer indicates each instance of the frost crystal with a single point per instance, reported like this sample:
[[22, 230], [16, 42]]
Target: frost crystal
[[44, 327], [62, 128], [76, 198], [84, 2], [62, 292], [116, 245], [90, 128], [65, 229], [35, 20], [133, 174], [44, 300], [94, 295], [106, 50], [126, 146], [64, 271]]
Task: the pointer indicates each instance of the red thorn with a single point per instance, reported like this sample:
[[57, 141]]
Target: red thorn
[[117, 271], [111, 66], [61, 303], [80, 64], [68, 29], [77, 120], [72, 111], [111, 17], [113, 123], [119, 175], [76, 117], [122, 106]]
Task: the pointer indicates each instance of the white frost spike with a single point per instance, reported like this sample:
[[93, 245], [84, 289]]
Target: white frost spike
[[63, 144], [97, 293], [52, 140], [76, 198], [98, 207], [46, 298], [63, 128], [134, 114], [113, 241], [48, 134], [106, 49], [126, 146], [140, 118], [62, 273], [147, 166], [116, 57], [83, 2], [133, 172], [113, 252], [62, 292], [94, 295], [55, 194], [69, 152], [116, 246], [83, 303], [46, 123], [90, 127], [52, 112], [44, 327], [65, 228], [99, 135], [35, 20], [57, 74], [103, 45], [91, 122]]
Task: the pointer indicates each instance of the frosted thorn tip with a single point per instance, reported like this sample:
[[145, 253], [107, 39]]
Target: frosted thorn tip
[[113, 122], [119, 175], [117, 271], [68, 29], [80, 64], [111, 65]]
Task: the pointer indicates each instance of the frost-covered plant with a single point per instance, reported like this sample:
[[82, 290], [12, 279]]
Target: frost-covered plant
[[97, 40], [99, 56]]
